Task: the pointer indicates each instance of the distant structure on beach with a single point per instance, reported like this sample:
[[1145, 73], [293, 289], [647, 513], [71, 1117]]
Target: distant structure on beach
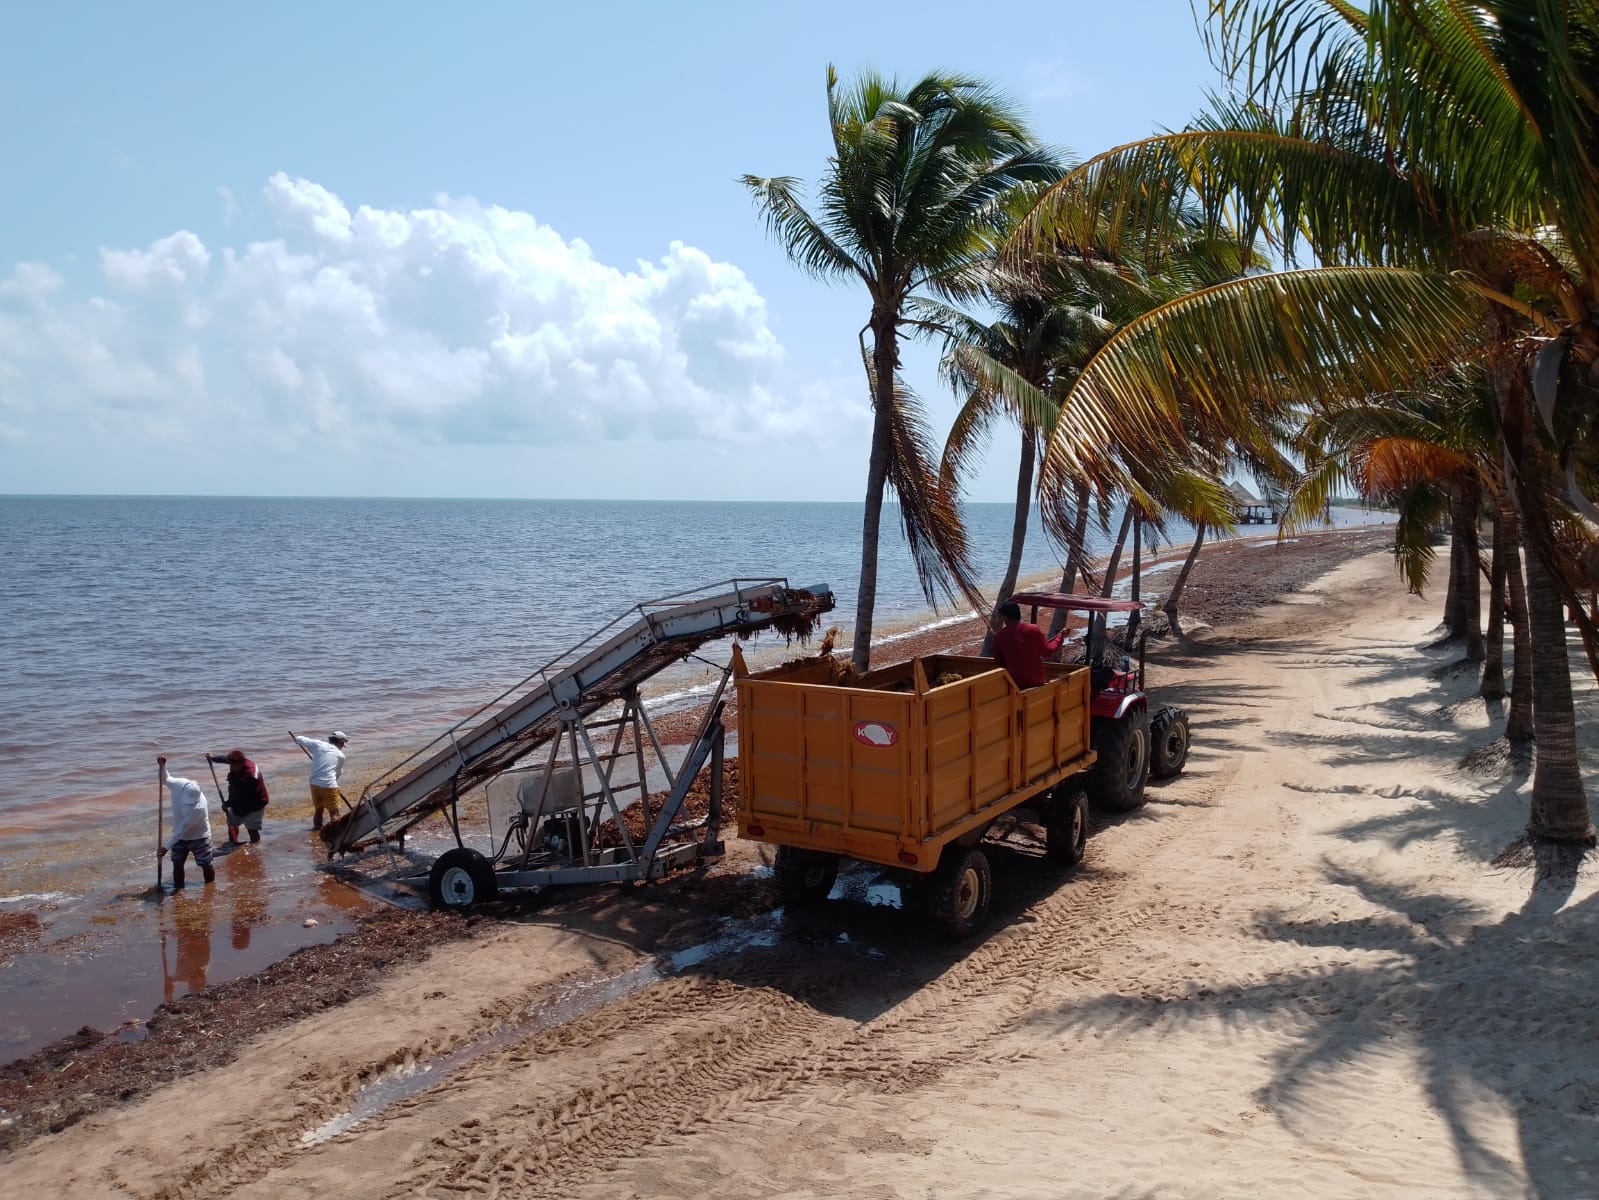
[[1251, 509]]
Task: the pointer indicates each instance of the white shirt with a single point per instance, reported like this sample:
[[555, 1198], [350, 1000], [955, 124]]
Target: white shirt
[[191, 816], [327, 760]]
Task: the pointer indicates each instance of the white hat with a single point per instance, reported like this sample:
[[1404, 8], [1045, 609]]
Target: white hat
[[338, 735]]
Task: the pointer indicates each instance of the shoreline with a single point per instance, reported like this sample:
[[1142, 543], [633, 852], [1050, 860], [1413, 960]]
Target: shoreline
[[1276, 573], [103, 796]]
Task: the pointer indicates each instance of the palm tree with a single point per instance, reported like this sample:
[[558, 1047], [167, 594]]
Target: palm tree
[[1009, 367], [1446, 151], [1049, 324], [912, 201]]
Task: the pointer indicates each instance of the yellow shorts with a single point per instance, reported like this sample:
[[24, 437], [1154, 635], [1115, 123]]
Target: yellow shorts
[[327, 798]]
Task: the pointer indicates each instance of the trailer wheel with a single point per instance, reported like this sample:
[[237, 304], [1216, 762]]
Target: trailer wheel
[[1168, 743], [1066, 826], [461, 878], [804, 877], [1117, 780], [960, 891]]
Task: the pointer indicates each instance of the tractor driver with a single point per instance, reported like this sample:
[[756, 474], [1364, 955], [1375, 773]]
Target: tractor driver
[[1021, 647]]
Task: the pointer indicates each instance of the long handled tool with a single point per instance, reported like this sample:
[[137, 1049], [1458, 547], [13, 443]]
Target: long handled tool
[[222, 799], [160, 822], [347, 805]]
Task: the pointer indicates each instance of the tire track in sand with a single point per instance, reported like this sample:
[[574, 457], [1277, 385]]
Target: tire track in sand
[[750, 1030], [685, 1086]]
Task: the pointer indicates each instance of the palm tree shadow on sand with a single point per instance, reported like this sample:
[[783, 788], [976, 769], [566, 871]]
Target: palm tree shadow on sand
[[1502, 1008]]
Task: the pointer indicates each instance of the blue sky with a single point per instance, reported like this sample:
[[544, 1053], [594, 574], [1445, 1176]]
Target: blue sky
[[489, 249]]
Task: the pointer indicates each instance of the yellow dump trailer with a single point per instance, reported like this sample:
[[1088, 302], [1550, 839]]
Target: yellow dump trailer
[[907, 767]]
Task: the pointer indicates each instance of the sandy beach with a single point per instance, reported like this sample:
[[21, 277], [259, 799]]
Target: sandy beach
[[1296, 972]]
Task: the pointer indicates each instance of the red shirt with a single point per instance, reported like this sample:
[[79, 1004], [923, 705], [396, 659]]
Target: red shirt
[[1021, 649]]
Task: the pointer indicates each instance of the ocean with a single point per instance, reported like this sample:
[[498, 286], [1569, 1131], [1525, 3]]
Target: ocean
[[185, 625]]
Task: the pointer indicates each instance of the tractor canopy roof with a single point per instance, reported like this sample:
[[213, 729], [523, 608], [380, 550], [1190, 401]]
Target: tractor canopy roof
[[1098, 604]]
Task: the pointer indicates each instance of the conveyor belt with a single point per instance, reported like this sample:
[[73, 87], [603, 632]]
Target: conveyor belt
[[600, 670]]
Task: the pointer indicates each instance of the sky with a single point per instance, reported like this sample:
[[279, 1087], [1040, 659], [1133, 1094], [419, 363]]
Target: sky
[[487, 249]]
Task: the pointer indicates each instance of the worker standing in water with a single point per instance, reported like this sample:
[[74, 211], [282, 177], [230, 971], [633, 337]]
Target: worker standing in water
[[247, 794], [327, 762], [191, 826]]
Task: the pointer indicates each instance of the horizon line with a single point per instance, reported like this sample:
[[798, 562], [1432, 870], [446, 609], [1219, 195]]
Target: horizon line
[[423, 499]]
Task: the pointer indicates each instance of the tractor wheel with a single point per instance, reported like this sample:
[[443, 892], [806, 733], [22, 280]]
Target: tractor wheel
[[1066, 825], [1168, 743], [960, 891], [461, 878], [1118, 778], [804, 877]]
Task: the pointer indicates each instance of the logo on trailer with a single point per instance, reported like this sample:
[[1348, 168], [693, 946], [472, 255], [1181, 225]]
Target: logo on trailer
[[875, 733]]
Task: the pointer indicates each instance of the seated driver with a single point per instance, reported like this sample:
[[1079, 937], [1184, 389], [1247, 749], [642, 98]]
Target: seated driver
[[1021, 647]]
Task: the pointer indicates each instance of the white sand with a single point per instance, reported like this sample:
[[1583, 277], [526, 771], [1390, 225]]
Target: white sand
[[1293, 974]]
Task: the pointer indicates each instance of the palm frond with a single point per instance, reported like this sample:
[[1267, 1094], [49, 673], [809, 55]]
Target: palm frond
[[809, 246], [1388, 466], [930, 514], [1422, 508], [1219, 359]]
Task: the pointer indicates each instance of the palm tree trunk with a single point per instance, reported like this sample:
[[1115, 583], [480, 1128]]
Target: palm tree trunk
[[1018, 528], [1454, 625], [1471, 568], [1108, 585], [1518, 721], [1559, 803], [1074, 556], [1559, 806], [1182, 579], [1493, 669], [1133, 592], [1463, 604], [885, 354]]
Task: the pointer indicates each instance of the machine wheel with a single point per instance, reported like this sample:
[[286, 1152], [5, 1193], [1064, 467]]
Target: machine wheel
[[461, 878], [1168, 743], [960, 891], [804, 877], [1118, 778], [1066, 825]]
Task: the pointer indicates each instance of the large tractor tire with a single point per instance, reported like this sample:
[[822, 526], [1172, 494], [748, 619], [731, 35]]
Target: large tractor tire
[[1066, 825], [1118, 778], [1168, 743], [804, 877], [461, 878], [960, 892]]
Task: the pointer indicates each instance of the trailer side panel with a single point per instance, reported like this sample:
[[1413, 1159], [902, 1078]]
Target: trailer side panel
[[891, 776]]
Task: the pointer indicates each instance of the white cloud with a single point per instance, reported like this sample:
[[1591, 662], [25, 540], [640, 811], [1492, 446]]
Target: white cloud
[[457, 322], [179, 259]]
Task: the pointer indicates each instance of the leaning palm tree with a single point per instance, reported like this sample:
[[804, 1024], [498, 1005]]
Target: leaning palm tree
[[1443, 160], [1017, 366], [1007, 367], [912, 202]]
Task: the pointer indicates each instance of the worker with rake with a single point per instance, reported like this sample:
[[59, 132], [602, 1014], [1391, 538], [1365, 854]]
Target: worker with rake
[[191, 826], [247, 794], [327, 761]]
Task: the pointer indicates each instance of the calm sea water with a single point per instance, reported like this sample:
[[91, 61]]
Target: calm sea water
[[134, 626], [138, 625]]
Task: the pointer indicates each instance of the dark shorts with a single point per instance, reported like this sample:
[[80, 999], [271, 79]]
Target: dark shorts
[[250, 820], [199, 847]]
